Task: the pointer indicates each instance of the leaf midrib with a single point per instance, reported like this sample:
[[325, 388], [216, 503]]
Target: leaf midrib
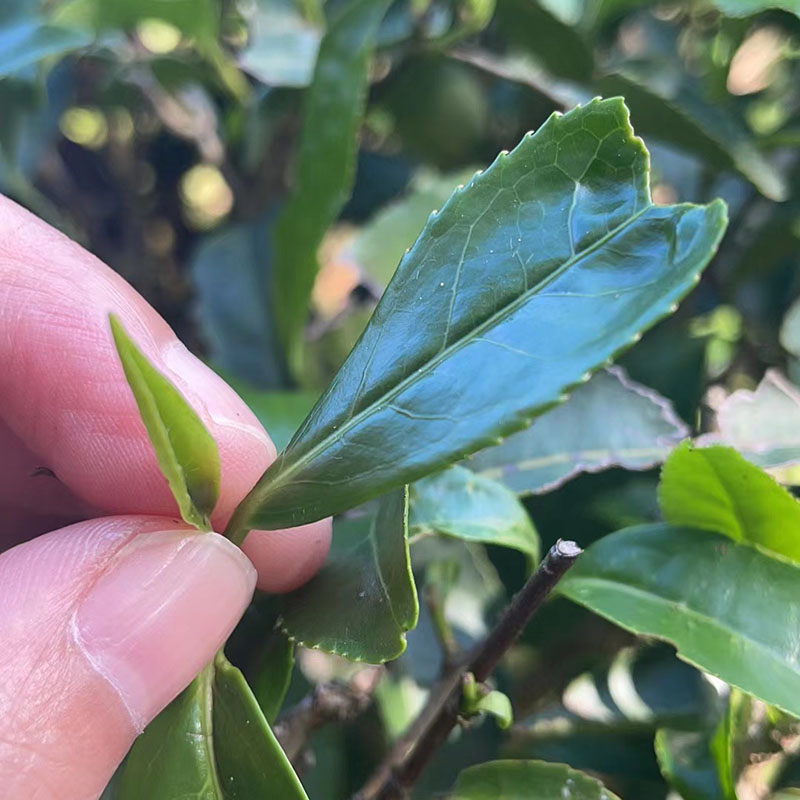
[[447, 351]]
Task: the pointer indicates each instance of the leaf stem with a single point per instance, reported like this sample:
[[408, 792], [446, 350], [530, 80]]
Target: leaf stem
[[398, 773]]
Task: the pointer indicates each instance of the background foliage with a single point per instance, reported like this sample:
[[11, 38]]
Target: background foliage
[[258, 168]]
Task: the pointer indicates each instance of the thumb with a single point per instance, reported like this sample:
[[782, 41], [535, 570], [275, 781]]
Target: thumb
[[101, 625]]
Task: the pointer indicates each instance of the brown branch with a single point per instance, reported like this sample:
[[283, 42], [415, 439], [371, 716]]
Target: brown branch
[[398, 773], [329, 702]]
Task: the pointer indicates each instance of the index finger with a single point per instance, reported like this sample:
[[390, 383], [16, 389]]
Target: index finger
[[63, 390]]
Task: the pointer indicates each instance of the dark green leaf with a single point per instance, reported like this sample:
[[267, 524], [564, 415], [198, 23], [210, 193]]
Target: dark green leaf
[[187, 454], [325, 161], [687, 764], [557, 45], [611, 421], [664, 105], [516, 780], [363, 600], [580, 262], [230, 271], [722, 604], [763, 425], [714, 488], [211, 743], [459, 503], [272, 672]]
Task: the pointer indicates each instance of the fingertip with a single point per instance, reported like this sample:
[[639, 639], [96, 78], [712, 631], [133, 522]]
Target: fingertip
[[286, 559]]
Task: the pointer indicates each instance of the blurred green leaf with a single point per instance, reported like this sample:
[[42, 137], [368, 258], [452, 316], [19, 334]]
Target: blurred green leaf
[[763, 425], [457, 502], [666, 106], [687, 764], [187, 454], [557, 45], [514, 780], [363, 600], [324, 164], [382, 242], [790, 330], [715, 600], [26, 41], [497, 705], [282, 44], [745, 8], [716, 489], [212, 742], [580, 263], [231, 274], [609, 422], [281, 413]]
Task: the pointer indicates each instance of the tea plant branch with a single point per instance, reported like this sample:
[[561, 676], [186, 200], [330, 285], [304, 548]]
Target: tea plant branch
[[400, 770], [329, 702]]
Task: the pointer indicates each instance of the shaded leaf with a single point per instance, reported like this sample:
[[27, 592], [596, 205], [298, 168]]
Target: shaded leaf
[[212, 743], [363, 600], [715, 600], [187, 454], [459, 503], [27, 40], [664, 105], [716, 489], [763, 425], [272, 672], [687, 764], [325, 161], [611, 421], [231, 272], [514, 780], [580, 263]]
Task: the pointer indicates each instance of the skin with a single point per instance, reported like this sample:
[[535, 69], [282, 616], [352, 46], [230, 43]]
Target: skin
[[109, 603]]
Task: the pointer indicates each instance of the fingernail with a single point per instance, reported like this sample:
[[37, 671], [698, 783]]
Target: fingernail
[[162, 608]]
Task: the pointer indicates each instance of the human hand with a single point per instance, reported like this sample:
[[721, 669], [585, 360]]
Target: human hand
[[103, 622]]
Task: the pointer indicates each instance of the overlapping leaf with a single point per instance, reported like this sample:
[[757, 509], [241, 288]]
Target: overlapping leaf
[[363, 600], [611, 421], [535, 273], [212, 742], [724, 605]]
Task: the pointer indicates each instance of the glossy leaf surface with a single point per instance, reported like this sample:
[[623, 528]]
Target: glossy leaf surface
[[535, 273], [211, 743], [187, 454], [363, 600], [716, 489], [611, 421], [524, 780], [459, 503], [325, 161], [715, 600]]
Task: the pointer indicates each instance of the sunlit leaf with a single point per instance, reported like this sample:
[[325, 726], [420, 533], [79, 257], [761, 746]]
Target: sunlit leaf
[[716, 489], [561, 260], [715, 600], [187, 454]]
